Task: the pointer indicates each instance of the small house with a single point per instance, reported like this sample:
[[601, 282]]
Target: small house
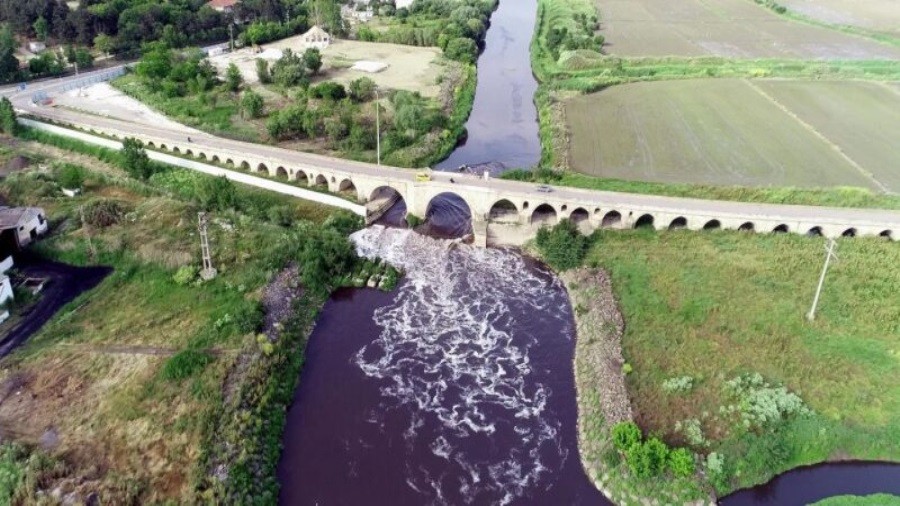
[[20, 226], [315, 37], [6, 291]]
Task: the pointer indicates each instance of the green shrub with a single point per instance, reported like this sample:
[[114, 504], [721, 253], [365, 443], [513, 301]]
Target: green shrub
[[185, 275], [625, 435], [70, 176], [647, 459], [185, 364], [681, 462], [412, 220], [562, 246]]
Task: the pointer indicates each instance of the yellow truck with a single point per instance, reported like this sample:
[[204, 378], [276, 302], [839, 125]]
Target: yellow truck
[[423, 176]]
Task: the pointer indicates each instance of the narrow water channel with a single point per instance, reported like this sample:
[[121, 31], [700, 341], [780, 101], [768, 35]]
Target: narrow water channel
[[503, 125], [455, 389]]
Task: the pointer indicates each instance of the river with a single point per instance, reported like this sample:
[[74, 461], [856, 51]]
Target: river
[[457, 388], [503, 126]]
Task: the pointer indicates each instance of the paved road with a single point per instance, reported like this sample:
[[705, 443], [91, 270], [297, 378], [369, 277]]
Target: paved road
[[22, 101]]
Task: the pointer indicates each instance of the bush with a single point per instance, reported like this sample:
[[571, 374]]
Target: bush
[[625, 435], [70, 176], [412, 220], [252, 104], [461, 49], [328, 90], [185, 364], [562, 246], [362, 89], [681, 462], [185, 275], [103, 213], [216, 194], [135, 160], [648, 459], [8, 123]]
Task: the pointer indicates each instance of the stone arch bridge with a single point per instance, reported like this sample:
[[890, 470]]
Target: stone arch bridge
[[502, 212]]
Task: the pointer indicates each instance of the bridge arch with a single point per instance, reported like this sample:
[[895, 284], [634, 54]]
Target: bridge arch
[[503, 211], [176, 150], [646, 220], [448, 215], [321, 182], [151, 145], [245, 165], [215, 159], [544, 215], [747, 227], [612, 219], [262, 168], [814, 232], [525, 205], [201, 156], [850, 232], [887, 234], [347, 186], [188, 152], [678, 223], [163, 147], [387, 205], [579, 215], [301, 177], [781, 229], [712, 225]]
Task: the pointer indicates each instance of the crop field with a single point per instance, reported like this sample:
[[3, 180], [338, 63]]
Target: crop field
[[738, 132], [729, 28], [877, 15]]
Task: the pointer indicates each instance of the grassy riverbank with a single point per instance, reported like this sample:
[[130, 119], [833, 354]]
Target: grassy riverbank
[[720, 358], [137, 388]]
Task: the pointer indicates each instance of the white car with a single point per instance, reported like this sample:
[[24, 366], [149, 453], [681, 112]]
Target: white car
[[544, 189]]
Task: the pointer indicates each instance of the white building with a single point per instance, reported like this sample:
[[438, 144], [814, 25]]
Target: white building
[[20, 226], [315, 37]]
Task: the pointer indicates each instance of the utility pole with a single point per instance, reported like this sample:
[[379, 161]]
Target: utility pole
[[829, 254], [378, 126], [231, 36], [208, 271]]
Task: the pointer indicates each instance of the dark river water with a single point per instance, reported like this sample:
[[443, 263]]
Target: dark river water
[[457, 388], [503, 125]]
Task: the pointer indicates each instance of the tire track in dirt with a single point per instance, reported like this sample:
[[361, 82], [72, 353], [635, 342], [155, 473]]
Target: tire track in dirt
[[819, 135]]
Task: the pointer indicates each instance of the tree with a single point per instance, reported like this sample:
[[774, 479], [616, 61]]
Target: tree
[[681, 462], [252, 104], [563, 246], [135, 160], [71, 177], [362, 89], [312, 58], [83, 58], [216, 194], [262, 71], [461, 49], [104, 43], [41, 28], [233, 78], [9, 64], [8, 123]]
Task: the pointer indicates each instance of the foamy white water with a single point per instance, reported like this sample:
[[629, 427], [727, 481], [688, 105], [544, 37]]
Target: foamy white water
[[451, 354]]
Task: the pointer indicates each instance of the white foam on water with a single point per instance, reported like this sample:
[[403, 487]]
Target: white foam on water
[[447, 350]]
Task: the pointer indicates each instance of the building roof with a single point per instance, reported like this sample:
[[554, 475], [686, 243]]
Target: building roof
[[221, 4], [11, 217]]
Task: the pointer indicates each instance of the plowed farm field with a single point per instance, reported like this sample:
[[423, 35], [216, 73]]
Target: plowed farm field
[[728, 28], [740, 132], [877, 15]]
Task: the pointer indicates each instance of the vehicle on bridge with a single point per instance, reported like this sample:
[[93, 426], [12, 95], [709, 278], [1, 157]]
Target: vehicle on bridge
[[423, 176]]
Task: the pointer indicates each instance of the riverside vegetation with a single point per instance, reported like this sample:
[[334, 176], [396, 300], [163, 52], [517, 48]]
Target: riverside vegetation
[[782, 392], [181, 397]]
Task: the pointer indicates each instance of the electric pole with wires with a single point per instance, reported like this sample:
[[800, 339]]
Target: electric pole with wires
[[208, 272]]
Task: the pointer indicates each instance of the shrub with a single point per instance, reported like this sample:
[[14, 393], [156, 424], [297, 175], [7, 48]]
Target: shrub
[[185, 275], [461, 49], [135, 160], [70, 176], [625, 435], [648, 459], [562, 246], [252, 104], [681, 384], [185, 364], [8, 123], [412, 220], [262, 71], [681, 462], [362, 89], [102, 213], [328, 90]]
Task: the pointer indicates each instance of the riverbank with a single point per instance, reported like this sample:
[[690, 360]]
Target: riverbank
[[603, 402]]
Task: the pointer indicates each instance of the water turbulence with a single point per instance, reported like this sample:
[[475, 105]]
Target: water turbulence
[[461, 384], [448, 217]]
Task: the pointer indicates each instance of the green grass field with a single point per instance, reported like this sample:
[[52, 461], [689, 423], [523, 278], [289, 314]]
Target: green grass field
[[713, 306], [737, 132], [730, 28]]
